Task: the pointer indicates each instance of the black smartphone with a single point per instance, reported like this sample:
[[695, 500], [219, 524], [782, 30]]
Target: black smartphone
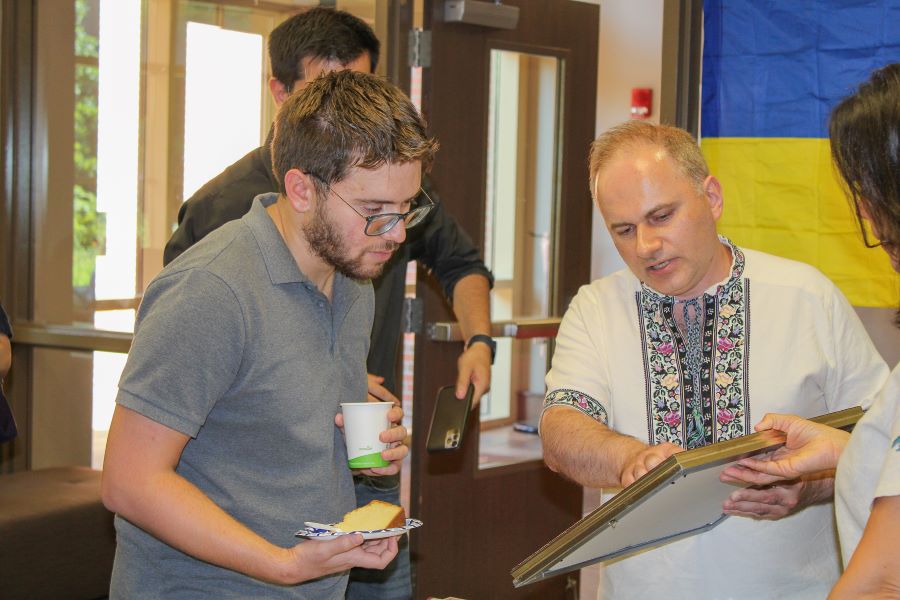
[[448, 422]]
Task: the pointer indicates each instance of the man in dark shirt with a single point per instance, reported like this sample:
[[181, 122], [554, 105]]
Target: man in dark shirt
[[301, 48]]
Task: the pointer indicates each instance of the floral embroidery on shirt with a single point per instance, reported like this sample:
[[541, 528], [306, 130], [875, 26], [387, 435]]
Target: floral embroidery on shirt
[[719, 409], [662, 373], [731, 362], [579, 400], [896, 444]]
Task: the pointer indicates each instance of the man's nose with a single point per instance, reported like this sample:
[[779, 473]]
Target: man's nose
[[397, 233], [647, 241]]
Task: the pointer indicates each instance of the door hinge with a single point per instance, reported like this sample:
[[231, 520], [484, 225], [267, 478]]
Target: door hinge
[[412, 315], [419, 48]]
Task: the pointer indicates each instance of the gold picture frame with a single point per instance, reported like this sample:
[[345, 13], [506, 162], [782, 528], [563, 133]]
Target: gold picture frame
[[641, 515]]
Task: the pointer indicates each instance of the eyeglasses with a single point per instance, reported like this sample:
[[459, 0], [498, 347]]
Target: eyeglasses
[[864, 228], [383, 222]]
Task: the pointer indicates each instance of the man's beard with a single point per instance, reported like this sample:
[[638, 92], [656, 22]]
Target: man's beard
[[329, 246]]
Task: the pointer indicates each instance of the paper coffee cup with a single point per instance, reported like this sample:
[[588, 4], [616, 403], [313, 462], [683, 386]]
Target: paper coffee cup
[[363, 423]]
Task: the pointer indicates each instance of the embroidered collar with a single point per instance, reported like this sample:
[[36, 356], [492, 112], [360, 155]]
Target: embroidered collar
[[690, 400], [721, 288]]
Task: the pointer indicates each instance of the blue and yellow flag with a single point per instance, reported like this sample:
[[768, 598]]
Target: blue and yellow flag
[[772, 71]]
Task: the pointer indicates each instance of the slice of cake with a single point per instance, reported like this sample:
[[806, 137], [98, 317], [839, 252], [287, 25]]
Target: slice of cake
[[374, 515]]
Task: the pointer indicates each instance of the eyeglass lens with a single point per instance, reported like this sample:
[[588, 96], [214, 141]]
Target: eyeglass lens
[[380, 224]]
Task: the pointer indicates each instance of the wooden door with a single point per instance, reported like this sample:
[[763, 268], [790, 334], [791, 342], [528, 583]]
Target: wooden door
[[479, 523]]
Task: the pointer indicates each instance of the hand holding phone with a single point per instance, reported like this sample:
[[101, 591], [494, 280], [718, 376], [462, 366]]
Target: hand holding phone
[[448, 422]]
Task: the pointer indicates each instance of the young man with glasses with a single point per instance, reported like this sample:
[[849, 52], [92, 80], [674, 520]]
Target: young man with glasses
[[226, 434], [301, 48]]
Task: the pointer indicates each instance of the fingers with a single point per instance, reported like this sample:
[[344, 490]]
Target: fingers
[[395, 454], [381, 545], [462, 382], [391, 469], [631, 476], [762, 495], [395, 415], [394, 435], [740, 474], [777, 421], [765, 424], [315, 559], [343, 543], [754, 510], [641, 468], [748, 474], [345, 552], [776, 469], [379, 393], [769, 502], [378, 555], [474, 366], [646, 460], [481, 382]]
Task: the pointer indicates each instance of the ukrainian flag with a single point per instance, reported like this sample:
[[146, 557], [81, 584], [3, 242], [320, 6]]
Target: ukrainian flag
[[772, 71]]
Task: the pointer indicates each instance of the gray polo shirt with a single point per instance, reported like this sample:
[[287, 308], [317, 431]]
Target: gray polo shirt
[[236, 348]]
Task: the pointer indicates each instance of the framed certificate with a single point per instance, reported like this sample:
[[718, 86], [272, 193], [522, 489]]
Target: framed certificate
[[642, 515]]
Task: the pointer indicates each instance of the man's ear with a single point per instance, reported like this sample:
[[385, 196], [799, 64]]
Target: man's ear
[[712, 189], [300, 190], [279, 92]]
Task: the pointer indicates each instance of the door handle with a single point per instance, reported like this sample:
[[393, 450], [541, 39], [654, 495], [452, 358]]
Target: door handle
[[520, 329]]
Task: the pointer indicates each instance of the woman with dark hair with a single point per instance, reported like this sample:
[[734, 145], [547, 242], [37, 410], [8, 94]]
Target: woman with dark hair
[[865, 147]]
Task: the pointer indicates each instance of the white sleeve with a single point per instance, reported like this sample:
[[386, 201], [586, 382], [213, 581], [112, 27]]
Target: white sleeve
[[859, 372], [889, 481], [578, 375]]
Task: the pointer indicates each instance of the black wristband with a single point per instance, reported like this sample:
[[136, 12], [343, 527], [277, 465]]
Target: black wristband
[[484, 339]]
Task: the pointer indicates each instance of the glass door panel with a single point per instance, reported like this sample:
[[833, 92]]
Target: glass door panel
[[520, 220], [136, 104], [222, 100]]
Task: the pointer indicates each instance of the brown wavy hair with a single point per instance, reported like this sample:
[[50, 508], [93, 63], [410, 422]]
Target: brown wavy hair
[[346, 119]]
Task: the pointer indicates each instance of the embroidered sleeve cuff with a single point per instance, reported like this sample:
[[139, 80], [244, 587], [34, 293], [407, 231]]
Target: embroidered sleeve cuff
[[579, 401]]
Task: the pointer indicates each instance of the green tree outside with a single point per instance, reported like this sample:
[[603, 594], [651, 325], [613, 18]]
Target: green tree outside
[[89, 226]]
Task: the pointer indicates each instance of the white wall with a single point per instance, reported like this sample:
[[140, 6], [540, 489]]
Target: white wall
[[629, 56]]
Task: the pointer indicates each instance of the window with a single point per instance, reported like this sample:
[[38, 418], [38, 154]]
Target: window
[[520, 221], [137, 103]]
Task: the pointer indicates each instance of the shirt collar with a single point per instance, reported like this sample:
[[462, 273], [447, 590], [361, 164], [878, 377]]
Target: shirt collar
[[280, 264]]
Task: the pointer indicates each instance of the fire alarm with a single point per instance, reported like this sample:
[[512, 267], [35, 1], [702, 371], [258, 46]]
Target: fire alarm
[[641, 102]]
